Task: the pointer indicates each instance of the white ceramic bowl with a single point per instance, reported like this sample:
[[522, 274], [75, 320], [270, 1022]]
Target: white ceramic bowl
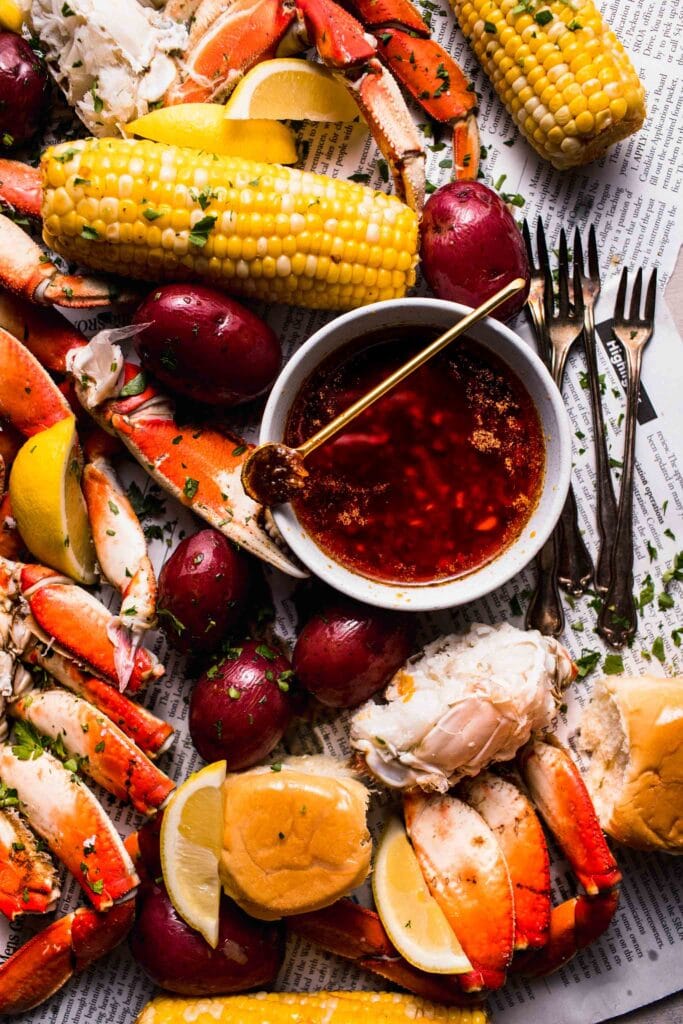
[[521, 359]]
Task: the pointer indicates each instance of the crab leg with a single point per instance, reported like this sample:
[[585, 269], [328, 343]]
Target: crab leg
[[561, 796], [24, 270], [151, 734], [103, 751], [199, 466], [510, 815], [351, 931], [21, 187], [428, 72], [28, 879], [67, 947], [466, 872], [80, 625], [65, 813]]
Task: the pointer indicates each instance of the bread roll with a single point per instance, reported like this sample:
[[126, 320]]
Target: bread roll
[[295, 839], [633, 728]]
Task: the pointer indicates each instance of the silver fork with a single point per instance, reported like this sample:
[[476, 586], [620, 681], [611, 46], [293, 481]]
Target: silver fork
[[545, 611], [564, 557], [619, 614], [606, 499]]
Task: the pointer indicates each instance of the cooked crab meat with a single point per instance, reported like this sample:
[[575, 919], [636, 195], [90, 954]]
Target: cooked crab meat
[[112, 60], [462, 703]]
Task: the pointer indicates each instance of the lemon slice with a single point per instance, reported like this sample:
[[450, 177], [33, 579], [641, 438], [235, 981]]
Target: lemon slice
[[47, 502], [413, 919], [191, 843], [204, 126], [288, 88], [11, 16]]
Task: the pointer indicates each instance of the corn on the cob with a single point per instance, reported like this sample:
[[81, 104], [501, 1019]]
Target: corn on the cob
[[561, 72], [157, 212], [308, 1008]]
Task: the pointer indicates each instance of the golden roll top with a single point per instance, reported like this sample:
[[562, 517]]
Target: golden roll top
[[157, 212], [561, 72], [300, 1008]]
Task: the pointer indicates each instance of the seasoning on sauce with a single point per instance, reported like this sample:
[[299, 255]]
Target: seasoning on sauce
[[435, 479]]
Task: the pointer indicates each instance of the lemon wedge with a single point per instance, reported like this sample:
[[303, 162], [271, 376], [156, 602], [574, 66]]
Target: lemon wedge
[[47, 502], [204, 126], [191, 843], [289, 88], [11, 16], [413, 919]]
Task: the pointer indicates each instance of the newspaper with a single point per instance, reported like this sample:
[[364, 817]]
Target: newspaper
[[632, 198]]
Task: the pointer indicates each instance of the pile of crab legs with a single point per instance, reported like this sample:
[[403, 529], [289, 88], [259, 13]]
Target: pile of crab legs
[[53, 630]]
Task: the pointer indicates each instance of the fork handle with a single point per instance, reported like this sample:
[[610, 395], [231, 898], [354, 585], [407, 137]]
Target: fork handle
[[619, 615], [607, 512], [574, 565], [545, 612]]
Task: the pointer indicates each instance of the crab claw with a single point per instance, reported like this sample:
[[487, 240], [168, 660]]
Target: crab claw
[[467, 875], [68, 946], [573, 924], [24, 270], [511, 816], [355, 933], [561, 796]]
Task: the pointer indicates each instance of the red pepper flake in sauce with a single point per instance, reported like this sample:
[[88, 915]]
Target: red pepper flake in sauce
[[433, 481]]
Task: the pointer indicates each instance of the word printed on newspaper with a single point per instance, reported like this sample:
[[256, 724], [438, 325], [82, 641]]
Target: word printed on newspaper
[[632, 197]]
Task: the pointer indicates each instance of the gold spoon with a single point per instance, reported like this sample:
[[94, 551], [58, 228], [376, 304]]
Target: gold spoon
[[273, 473]]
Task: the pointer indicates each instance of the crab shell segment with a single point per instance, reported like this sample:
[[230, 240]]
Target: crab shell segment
[[198, 465], [106, 754], [64, 812], [463, 703], [28, 878], [151, 734], [66, 947]]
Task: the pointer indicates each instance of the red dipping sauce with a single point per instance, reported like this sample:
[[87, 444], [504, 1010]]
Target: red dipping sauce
[[434, 480]]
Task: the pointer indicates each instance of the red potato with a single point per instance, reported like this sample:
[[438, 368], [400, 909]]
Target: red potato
[[471, 246], [177, 958], [348, 652], [206, 346], [240, 708], [204, 590], [23, 90], [149, 840]]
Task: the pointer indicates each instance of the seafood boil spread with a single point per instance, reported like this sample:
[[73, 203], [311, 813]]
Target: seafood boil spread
[[248, 624]]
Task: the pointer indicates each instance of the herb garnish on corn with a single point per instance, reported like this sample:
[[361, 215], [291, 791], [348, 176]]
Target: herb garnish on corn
[[260, 230], [561, 72]]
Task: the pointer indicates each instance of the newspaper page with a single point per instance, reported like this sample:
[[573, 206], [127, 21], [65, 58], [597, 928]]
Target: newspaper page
[[632, 196]]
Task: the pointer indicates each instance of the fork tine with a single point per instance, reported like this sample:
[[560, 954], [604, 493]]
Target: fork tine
[[578, 252], [563, 278], [593, 263], [527, 242], [544, 266], [578, 292], [634, 312], [620, 303], [651, 298]]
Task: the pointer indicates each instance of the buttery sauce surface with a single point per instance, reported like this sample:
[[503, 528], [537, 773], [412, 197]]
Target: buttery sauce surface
[[435, 479]]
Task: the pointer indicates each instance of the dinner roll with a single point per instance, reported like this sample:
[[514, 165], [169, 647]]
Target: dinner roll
[[295, 836], [633, 729]]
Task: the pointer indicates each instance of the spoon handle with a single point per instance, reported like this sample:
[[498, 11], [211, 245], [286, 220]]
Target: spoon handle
[[345, 417]]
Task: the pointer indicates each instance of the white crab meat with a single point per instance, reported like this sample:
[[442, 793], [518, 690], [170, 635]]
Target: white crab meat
[[462, 703], [111, 59]]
